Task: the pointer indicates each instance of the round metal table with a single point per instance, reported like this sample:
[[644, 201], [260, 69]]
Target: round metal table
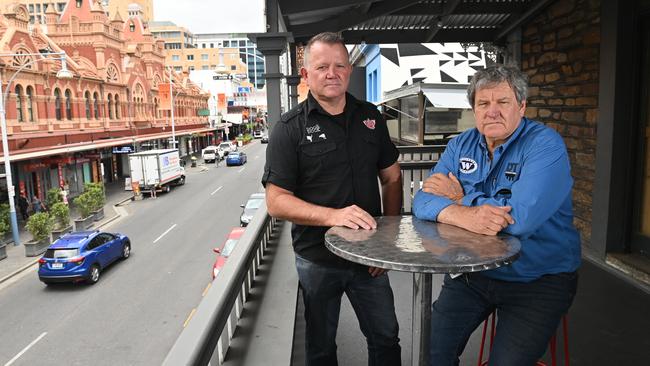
[[405, 243]]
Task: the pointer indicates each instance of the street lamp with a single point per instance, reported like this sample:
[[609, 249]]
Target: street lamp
[[64, 73]]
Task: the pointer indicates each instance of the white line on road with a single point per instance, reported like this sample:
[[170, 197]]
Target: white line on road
[[165, 233], [216, 190], [257, 156], [241, 170], [26, 349]]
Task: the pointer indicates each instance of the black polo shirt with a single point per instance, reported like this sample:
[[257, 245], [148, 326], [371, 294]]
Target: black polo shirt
[[330, 161]]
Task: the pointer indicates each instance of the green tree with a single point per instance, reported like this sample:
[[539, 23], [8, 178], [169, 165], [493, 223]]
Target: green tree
[[40, 226]]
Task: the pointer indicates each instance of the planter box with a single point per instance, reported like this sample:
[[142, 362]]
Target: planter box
[[3, 250], [84, 223], [35, 248], [98, 215], [57, 233]]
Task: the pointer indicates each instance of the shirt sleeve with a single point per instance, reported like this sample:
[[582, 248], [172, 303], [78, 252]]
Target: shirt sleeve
[[544, 184], [427, 206], [281, 167], [388, 153]]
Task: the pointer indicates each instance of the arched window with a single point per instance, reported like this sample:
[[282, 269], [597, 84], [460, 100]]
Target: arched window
[[57, 104], [19, 104], [96, 105], [29, 101], [138, 98], [117, 106], [87, 97], [110, 106], [132, 27], [68, 104]]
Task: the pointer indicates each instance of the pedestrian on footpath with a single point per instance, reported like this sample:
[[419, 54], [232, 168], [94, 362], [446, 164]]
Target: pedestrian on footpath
[[23, 206], [37, 205], [323, 160]]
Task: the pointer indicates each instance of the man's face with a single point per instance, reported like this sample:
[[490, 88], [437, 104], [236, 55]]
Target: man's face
[[497, 112], [327, 72]]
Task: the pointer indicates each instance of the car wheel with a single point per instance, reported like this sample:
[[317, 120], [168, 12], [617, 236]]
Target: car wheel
[[182, 181], [93, 277], [126, 250]]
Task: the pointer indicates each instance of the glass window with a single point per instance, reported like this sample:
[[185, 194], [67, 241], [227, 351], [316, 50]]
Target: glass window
[[38, 8], [190, 57], [254, 204], [68, 104], [19, 103], [228, 247], [87, 97], [191, 68], [242, 43], [226, 43], [176, 57], [178, 68], [110, 107], [202, 45], [204, 56], [57, 103], [132, 27], [205, 67], [29, 101], [211, 45], [61, 253], [408, 119], [60, 6], [117, 106], [233, 67], [96, 105], [31, 8]]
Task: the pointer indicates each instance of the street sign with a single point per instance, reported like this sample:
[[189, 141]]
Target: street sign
[[243, 89], [222, 77], [122, 149]]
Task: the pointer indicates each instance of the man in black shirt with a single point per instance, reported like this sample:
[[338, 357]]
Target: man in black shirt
[[322, 164]]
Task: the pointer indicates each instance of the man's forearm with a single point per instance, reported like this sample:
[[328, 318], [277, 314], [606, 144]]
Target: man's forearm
[[289, 207], [392, 198]]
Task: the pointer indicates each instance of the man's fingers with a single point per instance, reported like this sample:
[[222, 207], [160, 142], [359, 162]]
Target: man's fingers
[[375, 271]]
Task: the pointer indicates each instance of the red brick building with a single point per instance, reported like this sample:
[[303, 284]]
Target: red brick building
[[64, 131]]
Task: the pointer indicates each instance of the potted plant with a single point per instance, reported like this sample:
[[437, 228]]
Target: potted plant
[[60, 213], [53, 197], [96, 192], [4, 228], [40, 226], [85, 205], [6, 220]]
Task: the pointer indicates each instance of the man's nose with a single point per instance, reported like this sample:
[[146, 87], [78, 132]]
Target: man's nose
[[330, 72], [493, 110]]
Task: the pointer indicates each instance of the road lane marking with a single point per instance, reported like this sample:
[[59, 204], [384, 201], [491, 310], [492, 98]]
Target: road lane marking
[[241, 170], [216, 190], [206, 289], [189, 317], [26, 349], [165, 233]]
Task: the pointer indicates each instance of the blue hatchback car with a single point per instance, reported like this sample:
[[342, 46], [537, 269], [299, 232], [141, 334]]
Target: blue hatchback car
[[236, 158], [82, 255]]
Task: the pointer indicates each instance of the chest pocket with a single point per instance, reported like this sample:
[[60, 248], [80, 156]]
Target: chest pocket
[[321, 159]]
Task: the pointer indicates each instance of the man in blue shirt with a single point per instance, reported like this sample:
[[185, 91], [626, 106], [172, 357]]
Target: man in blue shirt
[[512, 175]]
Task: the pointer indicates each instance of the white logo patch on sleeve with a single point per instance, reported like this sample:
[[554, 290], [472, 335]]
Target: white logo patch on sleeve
[[468, 165]]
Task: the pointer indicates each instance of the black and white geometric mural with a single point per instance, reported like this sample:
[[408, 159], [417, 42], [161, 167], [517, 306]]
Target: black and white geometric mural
[[406, 64]]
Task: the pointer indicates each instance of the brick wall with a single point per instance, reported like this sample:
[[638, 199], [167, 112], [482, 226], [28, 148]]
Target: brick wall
[[560, 54]]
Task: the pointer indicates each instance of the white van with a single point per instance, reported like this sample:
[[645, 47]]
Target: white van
[[211, 153], [227, 146]]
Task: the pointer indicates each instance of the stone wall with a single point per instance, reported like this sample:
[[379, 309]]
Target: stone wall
[[560, 54]]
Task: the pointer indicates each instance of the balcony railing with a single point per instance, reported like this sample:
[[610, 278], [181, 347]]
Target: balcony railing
[[207, 337]]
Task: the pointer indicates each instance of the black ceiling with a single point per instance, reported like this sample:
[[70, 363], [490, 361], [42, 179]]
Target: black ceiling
[[408, 21]]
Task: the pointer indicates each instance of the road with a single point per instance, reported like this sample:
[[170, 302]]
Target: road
[[133, 315]]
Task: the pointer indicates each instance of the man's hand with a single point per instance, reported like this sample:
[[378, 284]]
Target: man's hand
[[484, 219], [444, 186], [353, 217], [376, 271]]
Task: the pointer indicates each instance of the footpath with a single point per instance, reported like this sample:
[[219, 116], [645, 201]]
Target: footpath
[[16, 261]]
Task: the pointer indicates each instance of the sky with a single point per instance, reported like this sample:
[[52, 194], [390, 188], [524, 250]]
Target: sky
[[212, 16]]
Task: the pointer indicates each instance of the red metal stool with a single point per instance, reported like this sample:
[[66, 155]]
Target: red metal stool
[[552, 343]]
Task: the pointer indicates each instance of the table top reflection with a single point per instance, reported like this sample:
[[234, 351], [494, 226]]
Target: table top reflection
[[406, 243]]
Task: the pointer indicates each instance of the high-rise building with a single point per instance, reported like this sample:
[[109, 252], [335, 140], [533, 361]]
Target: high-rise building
[[247, 50]]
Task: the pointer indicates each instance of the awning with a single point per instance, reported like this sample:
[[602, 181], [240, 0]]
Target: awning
[[448, 98], [235, 118]]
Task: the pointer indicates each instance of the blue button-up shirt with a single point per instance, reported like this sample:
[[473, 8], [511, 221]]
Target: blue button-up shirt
[[529, 172]]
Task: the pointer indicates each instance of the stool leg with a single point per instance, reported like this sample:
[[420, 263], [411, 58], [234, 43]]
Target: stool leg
[[553, 350], [565, 335], [480, 353]]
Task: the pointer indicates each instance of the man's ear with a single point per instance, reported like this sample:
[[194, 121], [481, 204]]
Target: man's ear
[[303, 73], [522, 109]]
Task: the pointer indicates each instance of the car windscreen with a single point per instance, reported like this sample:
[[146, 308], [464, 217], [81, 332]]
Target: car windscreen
[[228, 247], [233, 154], [254, 204], [225, 145], [209, 151], [61, 253]]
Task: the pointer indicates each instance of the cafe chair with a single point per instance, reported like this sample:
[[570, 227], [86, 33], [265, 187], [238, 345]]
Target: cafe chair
[[552, 343]]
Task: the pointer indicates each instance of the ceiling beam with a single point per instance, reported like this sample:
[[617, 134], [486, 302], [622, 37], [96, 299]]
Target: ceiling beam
[[449, 8], [465, 8], [300, 6], [419, 36], [350, 18], [517, 20]]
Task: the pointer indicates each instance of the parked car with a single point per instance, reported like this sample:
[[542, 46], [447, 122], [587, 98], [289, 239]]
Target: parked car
[[248, 210], [82, 255], [225, 251], [236, 158], [257, 134], [227, 147], [265, 139], [211, 153]]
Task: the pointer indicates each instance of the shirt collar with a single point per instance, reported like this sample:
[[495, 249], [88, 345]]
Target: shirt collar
[[350, 104], [522, 124]]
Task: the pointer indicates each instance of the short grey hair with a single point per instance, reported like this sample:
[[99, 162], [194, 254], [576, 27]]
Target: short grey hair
[[330, 38], [496, 74]]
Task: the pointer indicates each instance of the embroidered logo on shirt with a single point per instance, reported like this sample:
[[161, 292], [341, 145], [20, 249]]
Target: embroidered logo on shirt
[[370, 123], [313, 129], [468, 165], [309, 137], [511, 171], [322, 136]]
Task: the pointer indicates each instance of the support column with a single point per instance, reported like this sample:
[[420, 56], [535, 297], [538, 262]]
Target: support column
[[272, 45], [292, 82]]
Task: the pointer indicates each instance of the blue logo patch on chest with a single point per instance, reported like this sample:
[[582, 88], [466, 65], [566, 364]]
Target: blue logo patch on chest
[[468, 165]]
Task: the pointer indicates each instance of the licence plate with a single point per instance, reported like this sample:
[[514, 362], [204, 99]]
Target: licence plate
[[57, 265]]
